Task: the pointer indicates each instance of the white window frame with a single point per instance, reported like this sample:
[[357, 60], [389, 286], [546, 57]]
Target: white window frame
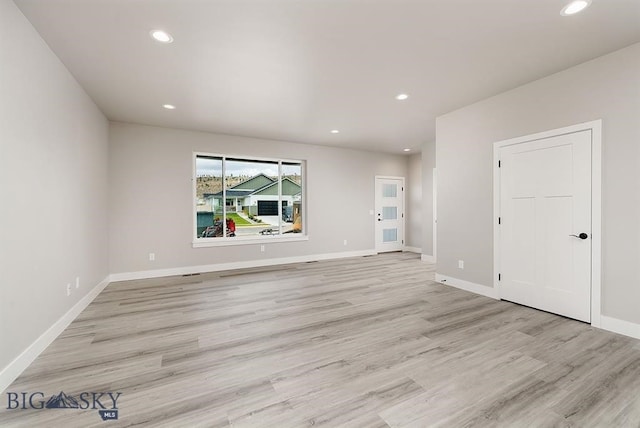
[[247, 240]]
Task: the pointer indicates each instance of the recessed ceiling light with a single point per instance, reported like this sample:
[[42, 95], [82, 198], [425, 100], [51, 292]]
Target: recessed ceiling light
[[161, 36], [169, 106], [402, 97], [406, 150], [575, 7], [335, 131]]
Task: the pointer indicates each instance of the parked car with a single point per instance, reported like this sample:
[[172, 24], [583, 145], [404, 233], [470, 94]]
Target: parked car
[[287, 214], [268, 231], [216, 231]]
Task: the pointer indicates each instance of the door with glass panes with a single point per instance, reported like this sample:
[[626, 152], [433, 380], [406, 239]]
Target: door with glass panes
[[389, 214]]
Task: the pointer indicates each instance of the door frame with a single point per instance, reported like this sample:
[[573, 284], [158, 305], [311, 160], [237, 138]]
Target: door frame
[[375, 207], [596, 205], [434, 224]]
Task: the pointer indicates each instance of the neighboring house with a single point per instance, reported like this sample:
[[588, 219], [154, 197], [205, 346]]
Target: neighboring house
[[257, 195]]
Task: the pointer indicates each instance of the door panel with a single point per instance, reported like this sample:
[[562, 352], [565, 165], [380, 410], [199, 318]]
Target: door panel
[[389, 231], [390, 213], [524, 251], [389, 190], [390, 235], [545, 196], [557, 211]]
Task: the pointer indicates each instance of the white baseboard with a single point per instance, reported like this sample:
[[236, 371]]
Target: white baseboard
[[614, 325], [158, 273], [468, 286], [412, 249], [620, 326], [22, 361], [427, 258]]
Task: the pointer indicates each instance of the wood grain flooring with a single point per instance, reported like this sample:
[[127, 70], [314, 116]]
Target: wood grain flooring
[[362, 342]]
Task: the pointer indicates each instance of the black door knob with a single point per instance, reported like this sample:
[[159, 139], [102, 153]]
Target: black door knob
[[581, 236]]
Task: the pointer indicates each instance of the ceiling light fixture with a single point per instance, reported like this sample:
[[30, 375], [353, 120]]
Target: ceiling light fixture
[[335, 131], [169, 106], [575, 7], [402, 97], [161, 36], [406, 150]]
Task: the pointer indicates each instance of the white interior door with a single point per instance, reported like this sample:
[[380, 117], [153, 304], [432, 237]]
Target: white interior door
[[545, 224], [389, 214]]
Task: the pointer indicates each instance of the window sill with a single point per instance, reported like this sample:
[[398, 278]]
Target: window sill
[[224, 242]]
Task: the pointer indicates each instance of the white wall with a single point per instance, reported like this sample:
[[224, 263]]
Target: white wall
[[428, 164], [606, 88], [151, 197], [413, 197], [53, 187]]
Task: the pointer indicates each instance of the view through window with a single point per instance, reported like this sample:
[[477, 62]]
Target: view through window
[[247, 198]]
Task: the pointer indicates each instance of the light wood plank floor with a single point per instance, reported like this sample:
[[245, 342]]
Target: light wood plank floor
[[362, 342]]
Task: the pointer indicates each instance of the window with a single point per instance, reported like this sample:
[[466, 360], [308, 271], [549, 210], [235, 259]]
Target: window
[[244, 200]]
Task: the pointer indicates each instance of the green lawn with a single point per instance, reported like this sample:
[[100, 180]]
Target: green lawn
[[238, 220]]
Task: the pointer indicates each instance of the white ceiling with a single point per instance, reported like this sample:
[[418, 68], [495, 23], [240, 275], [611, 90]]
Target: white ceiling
[[294, 70]]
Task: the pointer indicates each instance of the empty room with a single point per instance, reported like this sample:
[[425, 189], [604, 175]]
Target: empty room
[[287, 213]]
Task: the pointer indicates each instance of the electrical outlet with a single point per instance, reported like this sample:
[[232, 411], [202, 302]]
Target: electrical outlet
[[345, 242], [68, 289], [152, 257], [77, 282], [262, 248], [460, 264]]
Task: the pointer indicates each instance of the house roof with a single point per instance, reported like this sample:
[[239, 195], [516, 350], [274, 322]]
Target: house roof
[[289, 188], [230, 193], [253, 183]]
